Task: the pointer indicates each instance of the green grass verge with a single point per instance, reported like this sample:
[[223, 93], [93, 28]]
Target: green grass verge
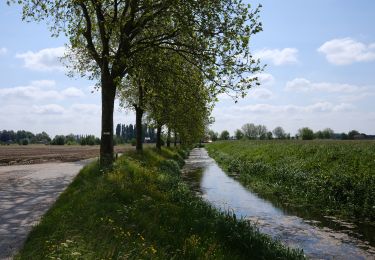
[[328, 177], [142, 210]]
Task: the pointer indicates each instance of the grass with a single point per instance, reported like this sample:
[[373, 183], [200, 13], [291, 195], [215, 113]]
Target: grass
[[142, 210], [326, 177]]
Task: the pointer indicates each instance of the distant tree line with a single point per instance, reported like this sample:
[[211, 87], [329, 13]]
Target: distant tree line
[[128, 133], [260, 132], [306, 133], [23, 137]]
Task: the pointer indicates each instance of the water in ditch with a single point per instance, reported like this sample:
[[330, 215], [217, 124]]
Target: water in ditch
[[225, 193]]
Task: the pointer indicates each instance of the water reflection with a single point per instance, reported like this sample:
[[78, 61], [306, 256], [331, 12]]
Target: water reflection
[[225, 193]]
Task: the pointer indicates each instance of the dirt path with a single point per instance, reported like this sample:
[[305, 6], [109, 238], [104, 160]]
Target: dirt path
[[26, 193]]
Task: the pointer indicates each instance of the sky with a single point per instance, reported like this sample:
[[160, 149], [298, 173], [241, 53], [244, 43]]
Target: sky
[[320, 73]]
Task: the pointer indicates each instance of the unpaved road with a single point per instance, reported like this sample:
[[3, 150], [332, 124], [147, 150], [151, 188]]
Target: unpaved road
[[26, 193]]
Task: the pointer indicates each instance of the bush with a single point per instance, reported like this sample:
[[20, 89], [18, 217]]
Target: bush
[[58, 140], [306, 133]]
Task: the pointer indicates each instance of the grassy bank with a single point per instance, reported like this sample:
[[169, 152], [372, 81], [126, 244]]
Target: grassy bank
[[142, 210], [330, 177]]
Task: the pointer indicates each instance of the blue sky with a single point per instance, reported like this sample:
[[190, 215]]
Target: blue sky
[[320, 58]]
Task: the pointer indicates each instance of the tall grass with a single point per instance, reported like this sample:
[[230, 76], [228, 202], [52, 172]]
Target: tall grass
[[142, 210], [333, 177]]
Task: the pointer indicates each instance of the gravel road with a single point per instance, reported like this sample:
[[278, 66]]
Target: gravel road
[[26, 193]]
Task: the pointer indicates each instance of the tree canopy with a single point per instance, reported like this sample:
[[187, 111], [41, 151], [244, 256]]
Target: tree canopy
[[106, 36]]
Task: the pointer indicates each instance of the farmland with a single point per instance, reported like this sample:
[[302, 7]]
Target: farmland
[[30, 154], [326, 177]]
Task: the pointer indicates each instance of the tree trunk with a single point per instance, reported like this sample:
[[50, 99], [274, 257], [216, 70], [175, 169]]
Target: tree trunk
[[158, 138], [138, 120], [175, 139], [108, 98], [169, 138]]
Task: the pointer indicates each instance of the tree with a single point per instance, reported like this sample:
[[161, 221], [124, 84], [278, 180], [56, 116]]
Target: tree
[[262, 132], [269, 136], [250, 131], [238, 134], [306, 133], [279, 133], [118, 130], [58, 140], [224, 135], [106, 35], [344, 136], [213, 135], [319, 134], [352, 133], [328, 133], [42, 137]]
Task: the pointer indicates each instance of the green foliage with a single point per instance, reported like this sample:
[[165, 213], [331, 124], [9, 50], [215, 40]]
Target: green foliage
[[108, 40], [58, 140], [213, 135], [141, 209], [279, 132], [352, 133], [224, 135], [238, 134], [89, 140], [329, 177], [306, 133]]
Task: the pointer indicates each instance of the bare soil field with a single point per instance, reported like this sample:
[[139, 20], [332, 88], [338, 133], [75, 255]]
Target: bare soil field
[[31, 154]]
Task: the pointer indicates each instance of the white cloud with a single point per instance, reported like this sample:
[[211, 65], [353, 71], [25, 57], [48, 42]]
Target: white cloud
[[278, 57], [3, 51], [318, 107], [260, 93], [44, 60], [44, 83], [339, 116], [72, 92], [346, 51], [92, 109], [265, 80], [37, 91], [304, 85], [49, 109]]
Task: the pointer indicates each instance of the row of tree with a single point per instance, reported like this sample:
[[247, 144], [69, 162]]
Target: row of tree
[[253, 132], [75, 139], [306, 133], [127, 133], [23, 137], [165, 59]]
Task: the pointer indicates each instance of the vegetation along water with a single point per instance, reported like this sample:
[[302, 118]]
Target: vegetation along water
[[142, 209], [334, 178]]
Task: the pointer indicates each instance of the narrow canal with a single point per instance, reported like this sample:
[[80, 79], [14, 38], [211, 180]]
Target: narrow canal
[[225, 193]]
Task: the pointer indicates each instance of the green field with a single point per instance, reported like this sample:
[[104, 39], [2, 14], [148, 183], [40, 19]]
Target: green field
[[325, 177], [143, 210]]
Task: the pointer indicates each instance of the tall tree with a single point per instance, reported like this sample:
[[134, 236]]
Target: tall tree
[[279, 132], [106, 34]]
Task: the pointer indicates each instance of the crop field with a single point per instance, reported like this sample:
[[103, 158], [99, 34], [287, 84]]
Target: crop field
[[327, 177], [17, 154]]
